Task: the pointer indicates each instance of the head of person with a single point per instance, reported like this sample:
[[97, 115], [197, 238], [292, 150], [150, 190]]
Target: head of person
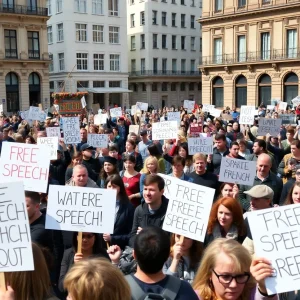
[[153, 150], [182, 135], [200, 161], [293, 196], [132, 136], [223, 259], [91, 242], [226, 189], [151, 249], [129, 162], [218, 124], [178, 164], [295, 148], [41, 134], [115, 131], [87, 151], [144, 135], [110, 165], [83, 134], [33, 205], [96, 278], [263, 165], [130, 145], [274, 140], [236, 126], [229, 127], [113, 151], [183, 150], [93, 129], [76, 159], [150, 165], [110, 134], [80, 175], [115, 182], [153, 190], [234, 149], [29, 140], [220, 141], [242, 146], [259, 146], [261, 197], [290, 132]]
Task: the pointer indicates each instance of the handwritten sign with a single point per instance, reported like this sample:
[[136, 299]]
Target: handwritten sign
[[100, 119], [134, 110], [71, 130], [189, 105], [34, 113], [116, 112], [134, 128], [81, 209], [288, 119], [215, 112], [27, 163], [188, 209], [200, 145], [275, 234], [296, 101], [174, 116], [282, 106], [247, 115], [15, 239], [53, 132], [83, 102], [271, 126], [142, 106], [270, 107], [207, 107], [1, 108], [51, 143], [237, 171], [195, 128], [98, 140], [164, 130]]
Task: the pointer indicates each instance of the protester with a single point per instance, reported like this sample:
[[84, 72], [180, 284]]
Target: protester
[[143, 144], [76, 160], [109, 168], [153, 151], [178, 164], [83, 137], [293, 196], [234, 151], [91, 163], [130, 147], [150, 167], [80, 178], [229, 190]]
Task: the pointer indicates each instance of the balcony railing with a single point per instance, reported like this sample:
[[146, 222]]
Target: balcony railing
[[34, 54], [251, 57], [11, 53], [23, 10], [163, 73]]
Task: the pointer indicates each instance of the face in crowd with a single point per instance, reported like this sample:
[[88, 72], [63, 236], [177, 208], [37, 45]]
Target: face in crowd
[[80, 176]]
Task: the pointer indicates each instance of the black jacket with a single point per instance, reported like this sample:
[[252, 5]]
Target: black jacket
[[285, 190], [143, 218], [215, 165], [58, 168], [93, 166]]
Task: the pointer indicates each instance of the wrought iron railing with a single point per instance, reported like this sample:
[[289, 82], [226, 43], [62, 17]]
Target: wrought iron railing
[[23, 10], [163, 73]]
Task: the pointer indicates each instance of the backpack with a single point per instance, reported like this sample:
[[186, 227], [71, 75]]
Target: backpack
[[169, 293]]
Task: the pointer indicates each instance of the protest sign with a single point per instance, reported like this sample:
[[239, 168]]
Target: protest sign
[[238, 171], [116, 112], [27, 163], [97, 140], [195, 128], [71, 130], [174, 116], [34, 113], [164, 130], [247, 115], [270, 107], [215, 112], [207, 107], [15, 238], [53, 131], [134, 110], [200, 144], [271, 126], [189, 105], [296, 101], [282, 106], [142, 106], [83, 102], [275, 234], [287, 119], [188, 209], [134, 128], [51, 143], [1, 108], [100, 119], [73, 208]]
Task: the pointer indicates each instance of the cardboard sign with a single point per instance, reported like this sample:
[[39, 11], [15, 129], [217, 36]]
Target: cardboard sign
[[201, 144], [69, 106], [98, 140], [247, 115], [134, 110], [71, 129], [27, 163], [271, 126], [275, 234], [164, 130], [83, 102], [100, 119], [53, 132], [174, 116], [188, 209], [116, 112], [73, 208], [237, 171], [215, 112], [51, 143], [142, 106], [34, 113], [135, 129], [287, 119], [15, 238], [189, 105], [282, 106], [207, 107]]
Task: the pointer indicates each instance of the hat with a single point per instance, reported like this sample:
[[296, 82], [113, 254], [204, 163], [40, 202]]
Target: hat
[[86, 147], [260, 191], [143, 132], [110, 160]]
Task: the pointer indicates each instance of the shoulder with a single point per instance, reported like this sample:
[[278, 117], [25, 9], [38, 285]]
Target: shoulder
[[287, 156], [186, 292]]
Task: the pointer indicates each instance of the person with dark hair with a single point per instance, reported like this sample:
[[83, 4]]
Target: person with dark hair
[[93, 165], [154, 151], [109, 168], [114, 139], [151, 250], [143, 144], [232, 135], [178, 164], [130, 147], [234, 151], [114, 152], [83, 136]]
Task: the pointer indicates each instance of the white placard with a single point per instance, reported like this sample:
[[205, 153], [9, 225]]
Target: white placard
[[71, 130], [201, 144], [83, 102], [247, 115], [275, 233], [134, 110], [51, 143], [270, 107], [237, 171], [164, 130], [116, 112], [188, 209], [282, 106], [134, 128], [189, 105], [142, 106], [34, 113], [296, 101], [73, 208], [16, 249], [97, 140], [174, 116], [100, 119], [215, 112], [1, 108], [53, 131], [27, 163], [271, 126], [207, 107]]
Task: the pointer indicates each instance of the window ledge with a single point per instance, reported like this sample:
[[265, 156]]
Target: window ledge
[[60, 41]]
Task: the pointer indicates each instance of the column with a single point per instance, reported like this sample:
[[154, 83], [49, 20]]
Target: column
[[149, 93], [106, 100], [24, 90]]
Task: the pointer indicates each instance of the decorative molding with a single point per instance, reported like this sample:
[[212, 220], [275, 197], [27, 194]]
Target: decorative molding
[[276, 75], [275, 67], [227, 69], [250, 68], [204, 71], [251, 76], [205, 78], [228, 77]]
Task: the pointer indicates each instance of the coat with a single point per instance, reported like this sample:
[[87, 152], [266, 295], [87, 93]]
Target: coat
[[90, 183]]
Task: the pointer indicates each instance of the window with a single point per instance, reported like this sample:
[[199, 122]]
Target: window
[[163, 18], [173, 86], [144, 87], [10, 43], [182, 2], [133, 65], [265, 46], [174, 42], [114, 62], [154, 41], [98, 84], [218, 50], [291, 43], [241, 48], [191, 86], [97, 7], [164, 64], [173, 20], [98, 33], [58, 6], [142, 41], [164, 41], [173, 2], [132, 42], [82, 61], [80, 6], [113, 7], [200, 45], [264, 89], [193, 48], [98, 62], [193, 65], [82, 84], [114, 35], [240, 91], [218, 5], [164, 87], [60, 32], [241, 3], [182, 21], [12, 92], [193, 22], [81, 32], [142, 18], [143, 65], [193, 3], [114, 84], [183, 66], [49, 34], [51, 85], [154, 87], [199, 86], [33, 44], [182, 86], [183, 43], [61, 61], [218, 92], [51, 67], [290, 83], [154, 17], [132, 23], [49, 7], [174, 65], [155, 65]]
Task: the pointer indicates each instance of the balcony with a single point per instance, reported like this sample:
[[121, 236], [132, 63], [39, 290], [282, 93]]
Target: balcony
[[23, 10], [163, 73], [275, 55], [33, 54], [11, 53]]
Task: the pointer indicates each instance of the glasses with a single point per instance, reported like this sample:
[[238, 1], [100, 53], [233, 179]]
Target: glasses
[[226, 279]]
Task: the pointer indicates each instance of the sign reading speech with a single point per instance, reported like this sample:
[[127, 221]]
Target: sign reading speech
[[271, 126], [200, 145], [164, 130]]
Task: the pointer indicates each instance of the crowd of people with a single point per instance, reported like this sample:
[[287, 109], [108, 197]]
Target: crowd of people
[[140, 260]]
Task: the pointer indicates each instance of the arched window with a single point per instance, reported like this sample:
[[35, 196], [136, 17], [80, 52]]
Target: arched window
[[218, 92], [241, 91], [264, 90], [290, 83], [34, 89], [12, 92]]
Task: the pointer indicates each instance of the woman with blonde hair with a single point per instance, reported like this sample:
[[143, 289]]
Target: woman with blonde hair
[[96, 279], [227, 273]]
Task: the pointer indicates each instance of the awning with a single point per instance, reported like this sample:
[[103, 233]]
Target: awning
[[105, 90]]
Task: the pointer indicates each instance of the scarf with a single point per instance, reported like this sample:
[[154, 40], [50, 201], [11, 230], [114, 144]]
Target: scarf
[[231, 234]]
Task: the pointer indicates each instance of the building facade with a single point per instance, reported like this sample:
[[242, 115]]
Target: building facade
[[164, 43], [24, 59], [250, 51], [88, 48]]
